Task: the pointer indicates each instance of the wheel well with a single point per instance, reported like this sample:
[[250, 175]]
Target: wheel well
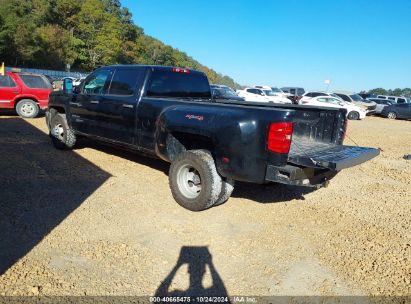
[[178, 142], [57, 109]]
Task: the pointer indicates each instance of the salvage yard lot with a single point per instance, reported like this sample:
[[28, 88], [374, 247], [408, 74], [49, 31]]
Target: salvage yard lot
[[98, 221]]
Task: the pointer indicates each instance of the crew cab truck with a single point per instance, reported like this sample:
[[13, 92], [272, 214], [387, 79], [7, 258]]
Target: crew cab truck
[[25, 92], [169, 113]]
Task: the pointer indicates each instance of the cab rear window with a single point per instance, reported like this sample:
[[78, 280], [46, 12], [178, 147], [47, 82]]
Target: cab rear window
[[35, 82], [167, 83]]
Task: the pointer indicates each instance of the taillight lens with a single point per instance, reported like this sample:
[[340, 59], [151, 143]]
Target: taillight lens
[[279, 137]]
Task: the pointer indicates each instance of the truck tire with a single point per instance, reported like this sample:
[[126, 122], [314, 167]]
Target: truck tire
[[194, 181], [227, 188], [353, 115], [27, 108], [62, 136]]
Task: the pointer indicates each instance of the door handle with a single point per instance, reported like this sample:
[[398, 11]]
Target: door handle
[[75, 103], [129, 106], [94, 101], [15, 91]]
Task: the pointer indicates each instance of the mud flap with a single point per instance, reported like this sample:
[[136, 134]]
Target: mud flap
[[334, 157]]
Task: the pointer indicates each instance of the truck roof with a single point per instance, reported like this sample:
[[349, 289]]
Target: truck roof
[[157, 67]]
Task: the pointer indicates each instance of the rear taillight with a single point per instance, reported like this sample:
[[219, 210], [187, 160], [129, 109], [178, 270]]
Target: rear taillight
[[279, 137], [181, 70]]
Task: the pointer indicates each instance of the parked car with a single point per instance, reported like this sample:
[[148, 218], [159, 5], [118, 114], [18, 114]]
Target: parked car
[[219, 93], [274, 90], [261, 95], [278, 91], [357, 100], [222, 86], [168, 113], [353, 112], [308, 95], [397, 110], [395, 99], [25, 92], [381, 104], [294, 93]]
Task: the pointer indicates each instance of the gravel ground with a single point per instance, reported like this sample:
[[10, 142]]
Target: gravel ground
[[98, 221]]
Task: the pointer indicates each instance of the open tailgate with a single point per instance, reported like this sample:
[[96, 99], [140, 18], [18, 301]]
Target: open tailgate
[[334, 157]]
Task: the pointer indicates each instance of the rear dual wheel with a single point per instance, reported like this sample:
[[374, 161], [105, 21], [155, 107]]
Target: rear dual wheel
[[195, 182]]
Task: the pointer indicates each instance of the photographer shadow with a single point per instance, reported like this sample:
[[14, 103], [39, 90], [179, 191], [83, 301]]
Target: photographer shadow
[[198, 259]]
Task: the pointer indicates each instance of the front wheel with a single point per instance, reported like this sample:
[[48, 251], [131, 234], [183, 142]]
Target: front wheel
[[392, 115], [194, 181], [353, 115], [27, 108], [62, 136]]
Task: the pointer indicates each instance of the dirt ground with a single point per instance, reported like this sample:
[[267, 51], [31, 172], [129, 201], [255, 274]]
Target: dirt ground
[[98, 221]]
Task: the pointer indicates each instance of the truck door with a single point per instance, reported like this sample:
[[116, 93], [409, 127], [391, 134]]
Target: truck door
[[8, 91], [117, 108], [84, 106]]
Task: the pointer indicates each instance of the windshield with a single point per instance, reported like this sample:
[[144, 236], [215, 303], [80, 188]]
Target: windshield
[[356, 97], [269, 93]]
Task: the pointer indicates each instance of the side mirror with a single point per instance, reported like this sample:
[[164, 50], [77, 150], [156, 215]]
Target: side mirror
[[68, 85]]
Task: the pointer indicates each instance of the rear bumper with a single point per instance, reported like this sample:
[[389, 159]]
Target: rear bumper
[[43, 104], [298, 176]]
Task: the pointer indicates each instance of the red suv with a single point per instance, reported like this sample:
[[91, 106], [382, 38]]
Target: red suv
[[25, 92]]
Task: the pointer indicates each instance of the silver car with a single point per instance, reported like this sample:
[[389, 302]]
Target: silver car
[[381, 104]]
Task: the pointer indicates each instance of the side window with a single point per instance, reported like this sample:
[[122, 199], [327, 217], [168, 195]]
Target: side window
[[125, 81], [322, 99], [391, 98], [259, 92], [252, 91], [95, 84], [401, 100], [7, 82], [344, 97], [35, 82], [292, 91], [310, 94], [300, 92]]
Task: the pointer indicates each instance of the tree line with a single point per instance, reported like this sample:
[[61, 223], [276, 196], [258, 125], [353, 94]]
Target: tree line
[[85, 34], [396, 92]]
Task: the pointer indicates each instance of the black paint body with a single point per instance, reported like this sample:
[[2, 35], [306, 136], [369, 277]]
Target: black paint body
[[235, 132]]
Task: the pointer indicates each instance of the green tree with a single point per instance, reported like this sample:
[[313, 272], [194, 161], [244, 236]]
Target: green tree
[[85, 34], [378, 91]]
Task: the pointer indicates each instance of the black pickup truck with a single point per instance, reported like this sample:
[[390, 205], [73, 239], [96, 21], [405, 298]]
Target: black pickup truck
[[169, 113]]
